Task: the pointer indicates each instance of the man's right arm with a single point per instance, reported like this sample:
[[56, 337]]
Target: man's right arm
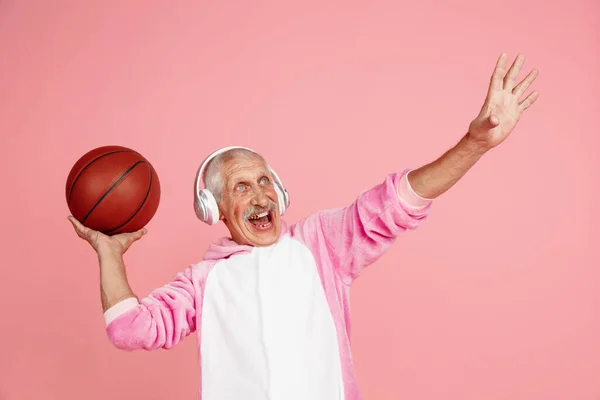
[[160, 320], [114, 286]]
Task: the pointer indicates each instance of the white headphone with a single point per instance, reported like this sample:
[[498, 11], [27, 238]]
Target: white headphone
[[205, 204]]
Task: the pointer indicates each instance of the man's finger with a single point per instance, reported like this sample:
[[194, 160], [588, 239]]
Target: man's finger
[[76, 224], [139, 233], [529, 100], [493, 121], [513, 72], [130, 238], [525, 83], [80, 229], [490, 122], [498, 74]]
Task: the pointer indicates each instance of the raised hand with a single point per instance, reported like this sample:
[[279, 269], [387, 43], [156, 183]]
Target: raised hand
[[503, 106], [100, 242]]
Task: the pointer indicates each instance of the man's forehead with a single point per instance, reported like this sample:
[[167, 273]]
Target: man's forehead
[[245, 166]]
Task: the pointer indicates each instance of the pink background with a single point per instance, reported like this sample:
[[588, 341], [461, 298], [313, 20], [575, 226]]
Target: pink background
[[494, 298]]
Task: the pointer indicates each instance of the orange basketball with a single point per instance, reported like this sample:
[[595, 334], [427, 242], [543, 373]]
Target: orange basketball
[[113, 189]]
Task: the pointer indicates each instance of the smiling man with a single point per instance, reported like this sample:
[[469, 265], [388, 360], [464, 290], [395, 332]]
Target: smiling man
[[269, 304]]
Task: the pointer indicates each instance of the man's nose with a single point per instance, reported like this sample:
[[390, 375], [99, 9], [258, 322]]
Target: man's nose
[[261, 199]]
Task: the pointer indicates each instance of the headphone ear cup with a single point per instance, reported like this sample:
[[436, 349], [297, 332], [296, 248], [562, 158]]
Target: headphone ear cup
[[207, 208], [281, 198]]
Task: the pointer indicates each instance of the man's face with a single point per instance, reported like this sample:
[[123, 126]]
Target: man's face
[[249, 206]]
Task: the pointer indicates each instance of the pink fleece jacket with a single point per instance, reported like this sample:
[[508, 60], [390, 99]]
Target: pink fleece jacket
[[343, 242]]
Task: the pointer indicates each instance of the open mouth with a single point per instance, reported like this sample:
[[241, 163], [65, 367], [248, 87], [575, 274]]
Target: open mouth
[[262, 221]]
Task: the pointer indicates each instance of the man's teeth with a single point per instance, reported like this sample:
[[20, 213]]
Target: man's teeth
[[258, 216]]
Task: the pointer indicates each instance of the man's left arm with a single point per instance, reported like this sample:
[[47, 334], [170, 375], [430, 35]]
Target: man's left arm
[[346, 240], [497, 118], [354, 237], [432, 180]]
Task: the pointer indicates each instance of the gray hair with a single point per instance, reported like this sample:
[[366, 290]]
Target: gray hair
[[212, 176]]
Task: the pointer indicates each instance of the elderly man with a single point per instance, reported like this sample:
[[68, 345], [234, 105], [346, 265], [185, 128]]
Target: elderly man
[[269, 304]]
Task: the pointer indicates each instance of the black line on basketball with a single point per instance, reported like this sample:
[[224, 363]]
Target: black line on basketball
[[111, 188], [141, 205], [90, 163]]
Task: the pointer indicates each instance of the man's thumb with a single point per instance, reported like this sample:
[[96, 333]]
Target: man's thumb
[[139, 233], [492, 121]]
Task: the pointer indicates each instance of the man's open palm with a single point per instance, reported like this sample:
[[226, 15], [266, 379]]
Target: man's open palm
[[98, 240], [503, 105]]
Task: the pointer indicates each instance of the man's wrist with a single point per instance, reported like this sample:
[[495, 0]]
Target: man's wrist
[[474, 147], [110, 256]]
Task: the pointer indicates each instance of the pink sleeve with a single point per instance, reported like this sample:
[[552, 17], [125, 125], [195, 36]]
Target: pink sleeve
[[352, 238], [160, 320]]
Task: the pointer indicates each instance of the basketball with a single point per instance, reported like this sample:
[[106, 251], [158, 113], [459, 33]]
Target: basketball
[[113, 189]]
